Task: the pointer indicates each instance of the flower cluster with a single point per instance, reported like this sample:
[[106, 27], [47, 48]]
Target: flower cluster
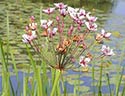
[[66, 35], [30, 31]]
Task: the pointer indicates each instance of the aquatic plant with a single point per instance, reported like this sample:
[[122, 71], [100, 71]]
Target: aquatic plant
[[66, 41], [65, 37]]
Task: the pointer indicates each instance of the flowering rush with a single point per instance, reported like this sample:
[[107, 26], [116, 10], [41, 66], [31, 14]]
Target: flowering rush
[[106, 51], [84, 61], [103, 35], [64, 37], [49, 10], [30, 34]]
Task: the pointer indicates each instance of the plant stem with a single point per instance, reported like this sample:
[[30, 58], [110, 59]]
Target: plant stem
[[109, 84], [58, 73]]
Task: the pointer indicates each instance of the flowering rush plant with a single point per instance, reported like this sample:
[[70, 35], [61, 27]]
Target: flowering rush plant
[[65, 37]]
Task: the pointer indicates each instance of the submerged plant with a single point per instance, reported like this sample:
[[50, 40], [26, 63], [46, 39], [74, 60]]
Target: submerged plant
[[66, 36]]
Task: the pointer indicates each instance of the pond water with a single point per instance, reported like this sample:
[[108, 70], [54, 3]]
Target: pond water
[[111, 17]]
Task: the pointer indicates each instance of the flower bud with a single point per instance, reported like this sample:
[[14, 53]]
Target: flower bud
[[70, 30], [27, 28], [32, 17], [57, 18]]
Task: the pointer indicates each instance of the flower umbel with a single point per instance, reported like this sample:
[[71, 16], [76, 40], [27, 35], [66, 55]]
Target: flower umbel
[[65, 37]]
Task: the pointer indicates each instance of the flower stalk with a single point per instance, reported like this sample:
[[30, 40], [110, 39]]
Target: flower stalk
[[57, 76]]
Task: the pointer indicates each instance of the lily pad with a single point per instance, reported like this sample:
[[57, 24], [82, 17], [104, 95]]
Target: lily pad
[[75, 82], [82, 88], [116, 34]]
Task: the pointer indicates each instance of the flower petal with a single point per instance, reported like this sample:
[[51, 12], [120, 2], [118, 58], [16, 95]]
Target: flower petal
[[107, 35], [103, 32]]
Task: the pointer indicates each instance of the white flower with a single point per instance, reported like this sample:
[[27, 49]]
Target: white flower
[[60, 5], [91, 26], [84, 61], [53, 31], [45, 24], [49, 10], [72, 10], [34, 34], [91, 18], [73, 15], [28, 38], [49, 23], [81, 14], [107, 51], [63, 12], [105, 34]]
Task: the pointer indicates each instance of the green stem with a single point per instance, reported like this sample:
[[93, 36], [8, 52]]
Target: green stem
[[58, 73], [100, 81], [119, 83], [109, 84], [93, 77]]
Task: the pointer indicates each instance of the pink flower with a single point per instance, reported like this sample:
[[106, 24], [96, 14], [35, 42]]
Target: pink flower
[[105, 34], [91, 26], [52, 31], [46, 24], [91, 18], [49, 10], [77, 19], [80, 22], [72, 10], [60, 5], [107, 51], [81, 14], [57, 18], [77, 16], [70, 30], [32, 18], [28, 38], [27, 28], [84, 61], [63, 12]]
